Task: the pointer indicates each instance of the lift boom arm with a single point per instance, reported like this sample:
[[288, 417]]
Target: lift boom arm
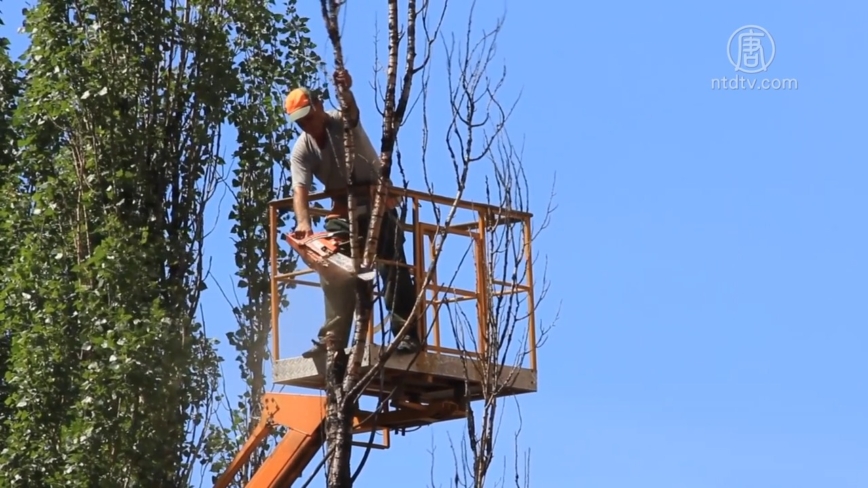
[[303, 416]]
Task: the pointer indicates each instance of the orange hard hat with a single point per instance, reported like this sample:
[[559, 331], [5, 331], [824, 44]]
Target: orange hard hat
[[298, 103]]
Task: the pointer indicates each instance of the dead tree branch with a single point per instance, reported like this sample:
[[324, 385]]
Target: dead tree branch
[[506, 336]]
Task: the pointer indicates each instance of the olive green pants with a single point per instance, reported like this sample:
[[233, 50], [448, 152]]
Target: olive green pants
[[399, 290]]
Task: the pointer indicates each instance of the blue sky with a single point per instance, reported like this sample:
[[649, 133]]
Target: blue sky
[[710, 244]]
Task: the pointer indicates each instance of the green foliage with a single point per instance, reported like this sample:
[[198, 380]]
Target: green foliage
[[9, 85], [109, 369], [110, 376], [276, 56], [110, 152]]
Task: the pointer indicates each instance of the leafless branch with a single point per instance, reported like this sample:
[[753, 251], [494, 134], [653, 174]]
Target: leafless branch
[[505, 342], [507, 336]]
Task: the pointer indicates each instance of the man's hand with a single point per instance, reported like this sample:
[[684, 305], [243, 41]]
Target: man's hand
[[343, 78], [302, 231]]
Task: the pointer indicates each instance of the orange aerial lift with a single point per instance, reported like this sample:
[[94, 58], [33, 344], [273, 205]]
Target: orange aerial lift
[[431, 386]]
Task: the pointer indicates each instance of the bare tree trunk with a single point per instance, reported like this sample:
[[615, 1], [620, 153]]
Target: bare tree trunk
[[339, 410], [339, 437]]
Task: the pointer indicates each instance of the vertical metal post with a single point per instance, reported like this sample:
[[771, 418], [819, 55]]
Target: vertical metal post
[[482, 285], [275, 298], [531, 306], [435, 319], [419, 271]]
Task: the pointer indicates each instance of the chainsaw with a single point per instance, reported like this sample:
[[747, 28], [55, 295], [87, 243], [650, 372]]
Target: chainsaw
[[321, 251]]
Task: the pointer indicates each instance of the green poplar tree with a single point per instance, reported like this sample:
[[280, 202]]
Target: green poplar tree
[[110, 377]]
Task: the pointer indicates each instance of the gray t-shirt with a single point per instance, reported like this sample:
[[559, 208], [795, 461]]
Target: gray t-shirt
[[328, 164]]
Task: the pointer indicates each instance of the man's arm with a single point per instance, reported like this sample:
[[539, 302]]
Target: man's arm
[[301, 205], [353, 112], [344, 78], [302, 177], [366, 150]]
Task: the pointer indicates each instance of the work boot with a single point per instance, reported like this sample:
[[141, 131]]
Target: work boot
[[333, 326], [407, 345], [317, 349]]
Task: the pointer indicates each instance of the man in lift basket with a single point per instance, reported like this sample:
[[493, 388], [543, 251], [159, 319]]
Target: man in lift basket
[[319, 152]]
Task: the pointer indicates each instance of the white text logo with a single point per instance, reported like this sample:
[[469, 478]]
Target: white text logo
[[751, 49]]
